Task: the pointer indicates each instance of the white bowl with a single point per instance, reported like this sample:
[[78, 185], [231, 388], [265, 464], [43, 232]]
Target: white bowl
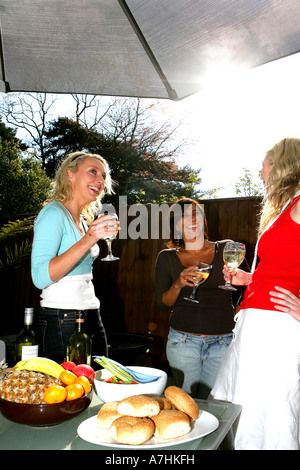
[[115, 392]]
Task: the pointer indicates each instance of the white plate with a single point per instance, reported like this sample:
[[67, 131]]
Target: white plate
[[205, 424]]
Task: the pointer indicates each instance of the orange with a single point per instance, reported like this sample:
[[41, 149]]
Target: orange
[[84, 381], [55, 394], [74, 391], [67, 377]]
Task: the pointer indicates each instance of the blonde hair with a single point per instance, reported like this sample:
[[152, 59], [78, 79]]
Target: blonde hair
[[283, 179], [62, 189]]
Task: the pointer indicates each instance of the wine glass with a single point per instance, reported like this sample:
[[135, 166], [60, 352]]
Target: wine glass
[[203, 270], [233, 256], [111, 222]]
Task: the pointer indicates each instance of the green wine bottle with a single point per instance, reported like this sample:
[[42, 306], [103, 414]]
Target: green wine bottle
[[79, 344], [26, 342]]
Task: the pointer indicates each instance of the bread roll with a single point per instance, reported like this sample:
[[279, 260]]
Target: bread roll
[[107, 414], [164, 404], [138, 405], [132, 430], [182, 401], [170, 424]]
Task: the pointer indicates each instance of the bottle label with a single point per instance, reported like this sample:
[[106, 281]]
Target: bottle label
[[29, 351]]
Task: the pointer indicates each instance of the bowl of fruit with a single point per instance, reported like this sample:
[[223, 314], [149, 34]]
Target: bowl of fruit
[[41, 392], [115, 382]]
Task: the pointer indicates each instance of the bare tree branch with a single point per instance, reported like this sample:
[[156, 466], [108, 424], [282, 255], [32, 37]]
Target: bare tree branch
[[29, 112]]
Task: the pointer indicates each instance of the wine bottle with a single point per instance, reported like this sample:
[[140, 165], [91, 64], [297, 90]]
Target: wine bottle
[[79, 344], [26, 342]]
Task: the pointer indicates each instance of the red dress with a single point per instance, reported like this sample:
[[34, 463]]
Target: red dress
[[279, 262], [261, 370]]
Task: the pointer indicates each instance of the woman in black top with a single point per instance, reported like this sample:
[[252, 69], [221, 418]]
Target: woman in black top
[[199, 333]]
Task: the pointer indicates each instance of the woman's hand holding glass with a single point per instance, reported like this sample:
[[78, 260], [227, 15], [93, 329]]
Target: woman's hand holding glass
[[238, 277], [111, 229], [200, 274], [103, 226], [106, 226], [233, 256], [187, 277]]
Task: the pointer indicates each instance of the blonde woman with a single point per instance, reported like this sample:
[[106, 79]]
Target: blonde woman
[[64, 249], [261, 371]]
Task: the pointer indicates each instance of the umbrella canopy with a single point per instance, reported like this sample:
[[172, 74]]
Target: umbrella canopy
[[141, 48]]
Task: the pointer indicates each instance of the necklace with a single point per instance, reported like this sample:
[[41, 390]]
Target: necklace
[[79, 226]]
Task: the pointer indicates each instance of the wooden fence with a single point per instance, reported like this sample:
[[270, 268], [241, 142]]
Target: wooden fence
[[126, 287]]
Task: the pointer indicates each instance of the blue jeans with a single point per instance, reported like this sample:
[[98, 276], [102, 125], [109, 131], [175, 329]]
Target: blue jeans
[[57, 325], [195, 360]]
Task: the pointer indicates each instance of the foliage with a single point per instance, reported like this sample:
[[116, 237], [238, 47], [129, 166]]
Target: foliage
[[128, 132], [18, 229], [135, 167], [23, 183], [246, 187], [15, 256], [15, 242], [65, 135], [9, 135]]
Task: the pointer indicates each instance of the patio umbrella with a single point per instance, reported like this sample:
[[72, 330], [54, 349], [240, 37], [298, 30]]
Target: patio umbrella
[[142, 48]]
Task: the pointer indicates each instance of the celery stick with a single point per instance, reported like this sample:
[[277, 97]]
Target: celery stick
[[115, 370]]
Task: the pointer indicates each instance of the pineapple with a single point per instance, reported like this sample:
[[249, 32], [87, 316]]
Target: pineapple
[[23, 386]]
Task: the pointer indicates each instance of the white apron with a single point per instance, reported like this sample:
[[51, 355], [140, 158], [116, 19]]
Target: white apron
[[261, 372]]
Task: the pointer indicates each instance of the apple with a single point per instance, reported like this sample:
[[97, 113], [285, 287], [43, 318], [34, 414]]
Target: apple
[[68, 365], [85, 370]]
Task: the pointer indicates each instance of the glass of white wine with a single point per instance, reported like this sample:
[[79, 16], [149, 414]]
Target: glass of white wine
[[112, 222], [203, 272], [233, 256]]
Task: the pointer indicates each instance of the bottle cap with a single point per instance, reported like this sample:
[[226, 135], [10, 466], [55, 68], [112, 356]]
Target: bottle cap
[[80, 317], [28, 317]]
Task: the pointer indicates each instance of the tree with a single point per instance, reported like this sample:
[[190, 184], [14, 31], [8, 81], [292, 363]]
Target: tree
[[141, 151], [7, 134], [134, 167], [29, 112], [65, 135], [247, 187], [23, 183], [89, 110]]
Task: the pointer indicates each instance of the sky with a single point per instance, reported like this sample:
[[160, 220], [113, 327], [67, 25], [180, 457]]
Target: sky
[[236, 118]]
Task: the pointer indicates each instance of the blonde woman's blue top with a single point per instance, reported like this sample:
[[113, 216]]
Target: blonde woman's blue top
[[54, 233]]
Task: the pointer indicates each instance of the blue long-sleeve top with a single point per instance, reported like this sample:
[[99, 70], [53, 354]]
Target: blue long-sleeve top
[[54, 233]]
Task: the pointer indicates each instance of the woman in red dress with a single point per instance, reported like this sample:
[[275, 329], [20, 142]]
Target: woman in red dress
[[261, 370]]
